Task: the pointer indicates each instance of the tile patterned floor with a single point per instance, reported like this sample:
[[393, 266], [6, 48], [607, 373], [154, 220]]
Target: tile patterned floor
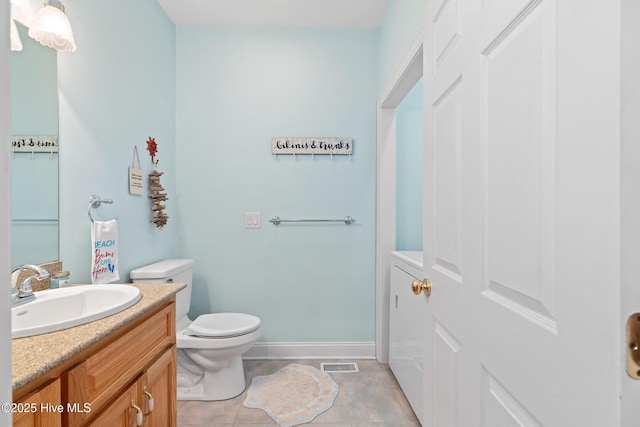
[[369, 398]]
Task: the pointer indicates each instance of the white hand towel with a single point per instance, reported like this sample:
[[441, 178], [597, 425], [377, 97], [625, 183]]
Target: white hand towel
[[104, 251]]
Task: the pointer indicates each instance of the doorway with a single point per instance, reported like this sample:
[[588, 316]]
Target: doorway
[[409, 176], [387, 210]]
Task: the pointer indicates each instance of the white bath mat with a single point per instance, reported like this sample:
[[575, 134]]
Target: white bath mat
[[294, 395]]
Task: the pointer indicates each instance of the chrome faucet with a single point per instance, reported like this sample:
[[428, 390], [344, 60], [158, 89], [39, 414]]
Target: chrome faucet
[[23, 293]]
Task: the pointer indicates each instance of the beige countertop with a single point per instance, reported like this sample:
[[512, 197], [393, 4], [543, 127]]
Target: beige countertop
[[33, 356]]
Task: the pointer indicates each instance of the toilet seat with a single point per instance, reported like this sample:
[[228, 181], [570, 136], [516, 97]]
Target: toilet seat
[[222, 325]]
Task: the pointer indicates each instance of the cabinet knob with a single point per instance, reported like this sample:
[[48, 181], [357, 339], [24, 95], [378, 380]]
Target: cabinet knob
[[138, 413]]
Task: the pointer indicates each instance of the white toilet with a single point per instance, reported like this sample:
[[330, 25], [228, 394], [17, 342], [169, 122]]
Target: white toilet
[[210, 347]]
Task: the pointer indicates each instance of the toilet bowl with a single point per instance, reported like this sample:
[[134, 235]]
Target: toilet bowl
[[209, 348]]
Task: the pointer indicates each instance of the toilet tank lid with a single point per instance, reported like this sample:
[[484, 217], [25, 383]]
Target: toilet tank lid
[[162, 269]]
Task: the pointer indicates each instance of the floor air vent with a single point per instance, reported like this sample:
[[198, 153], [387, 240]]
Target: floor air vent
[[339, 367]]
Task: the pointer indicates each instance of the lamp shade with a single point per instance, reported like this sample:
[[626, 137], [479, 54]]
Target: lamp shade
[[52, 28], [16, 43], [20, 12]]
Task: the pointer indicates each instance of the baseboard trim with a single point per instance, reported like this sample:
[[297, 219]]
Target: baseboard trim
[[312, 350]]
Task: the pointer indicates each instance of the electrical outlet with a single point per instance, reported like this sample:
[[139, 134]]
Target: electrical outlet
[[252, 220]]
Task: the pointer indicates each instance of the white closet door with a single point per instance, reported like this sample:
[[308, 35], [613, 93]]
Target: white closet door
[[521, 206]]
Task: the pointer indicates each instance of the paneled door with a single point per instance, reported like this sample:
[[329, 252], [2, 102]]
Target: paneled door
[[520, 209]]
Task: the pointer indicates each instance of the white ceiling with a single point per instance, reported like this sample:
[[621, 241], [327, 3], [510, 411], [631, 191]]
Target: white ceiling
[[277, 13]]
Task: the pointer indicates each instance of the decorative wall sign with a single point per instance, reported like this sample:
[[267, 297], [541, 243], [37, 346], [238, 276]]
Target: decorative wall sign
[[136, 186], [34, 143], [306, 145]]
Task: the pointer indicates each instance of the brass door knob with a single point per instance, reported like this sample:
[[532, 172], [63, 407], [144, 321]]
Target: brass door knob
[[418, 286]]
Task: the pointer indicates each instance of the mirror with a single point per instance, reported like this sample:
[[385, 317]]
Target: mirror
[[34, 111]]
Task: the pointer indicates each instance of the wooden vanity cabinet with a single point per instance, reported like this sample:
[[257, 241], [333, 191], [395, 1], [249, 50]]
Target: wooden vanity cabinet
[[160, 381], [133, 366], [29, 410], [119, 412], [157, 383]]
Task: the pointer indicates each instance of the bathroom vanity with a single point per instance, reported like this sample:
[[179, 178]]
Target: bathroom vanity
[[117, 371]]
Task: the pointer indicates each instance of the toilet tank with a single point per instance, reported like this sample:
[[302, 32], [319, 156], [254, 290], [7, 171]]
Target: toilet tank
[[169, 271]]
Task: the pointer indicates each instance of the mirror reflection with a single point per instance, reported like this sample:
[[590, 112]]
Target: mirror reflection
[[34, 111]]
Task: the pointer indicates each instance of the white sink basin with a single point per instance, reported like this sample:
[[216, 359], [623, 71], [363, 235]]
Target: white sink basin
[[56, 309]]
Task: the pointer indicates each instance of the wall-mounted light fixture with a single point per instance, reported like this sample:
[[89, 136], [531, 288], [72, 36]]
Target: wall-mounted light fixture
[[20, 12], [52, 28], [16, 43]]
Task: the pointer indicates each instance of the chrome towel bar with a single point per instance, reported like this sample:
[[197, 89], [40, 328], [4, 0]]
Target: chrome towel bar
[[277, 220]]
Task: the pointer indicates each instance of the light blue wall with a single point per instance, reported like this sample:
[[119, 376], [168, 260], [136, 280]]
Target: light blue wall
[[115, 91], [400, 26], [236, 89], [222, 94], [409, 141]]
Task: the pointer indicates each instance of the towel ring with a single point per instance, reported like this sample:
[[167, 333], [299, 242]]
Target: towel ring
[[94, 202]]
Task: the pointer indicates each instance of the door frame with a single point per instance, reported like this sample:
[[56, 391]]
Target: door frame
[[408, 74], [5, 216], [630, 197]]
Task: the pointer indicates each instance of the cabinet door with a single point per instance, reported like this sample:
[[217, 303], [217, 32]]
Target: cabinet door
[[40, 408], [120, 413], [101, 376], [406, 341], [159, 384]]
